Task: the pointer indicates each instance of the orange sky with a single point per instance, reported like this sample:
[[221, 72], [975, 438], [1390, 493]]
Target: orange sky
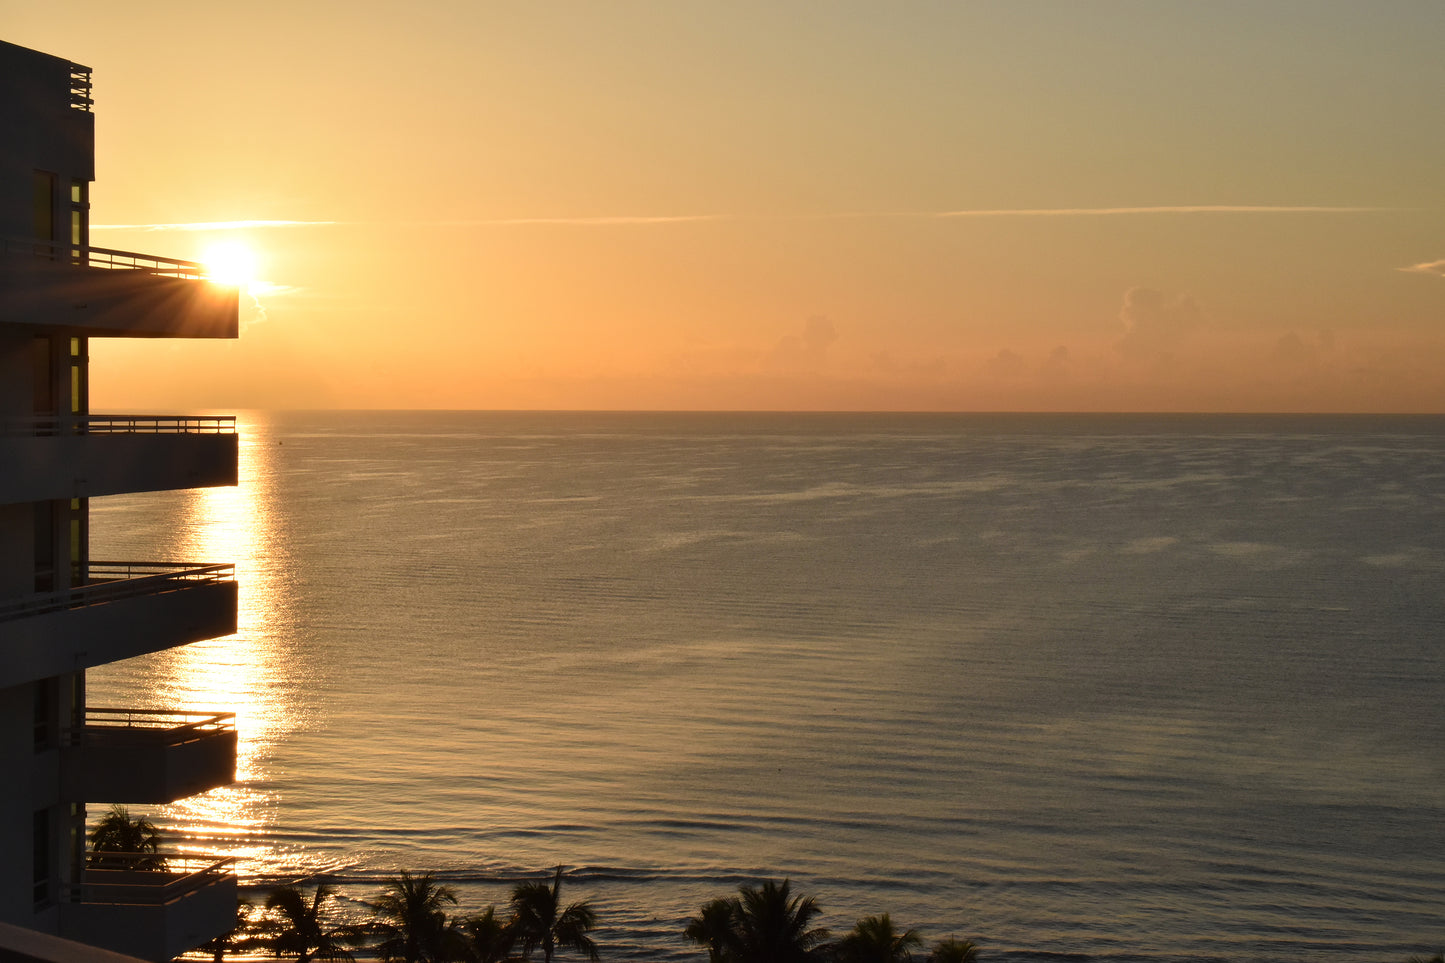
[[944, 206]]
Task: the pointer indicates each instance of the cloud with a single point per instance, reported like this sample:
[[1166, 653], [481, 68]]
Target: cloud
[[613, 220], [1154, 324], [809, 350], [209, 225], [587, 221], [902, 215], [1163, 209], [883, 363], [1056, 366], [1007, 364], [1436, 268]]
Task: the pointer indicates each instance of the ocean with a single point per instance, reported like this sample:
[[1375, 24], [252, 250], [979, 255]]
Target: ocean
[[1116, 688]]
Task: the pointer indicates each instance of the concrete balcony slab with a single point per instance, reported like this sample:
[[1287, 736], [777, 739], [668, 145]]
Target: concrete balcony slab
[[147, 756]]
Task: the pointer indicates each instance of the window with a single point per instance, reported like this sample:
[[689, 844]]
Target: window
[[78, 395], [40, 862], [44, 713], [79, 569], [79, 220], [44, 206]]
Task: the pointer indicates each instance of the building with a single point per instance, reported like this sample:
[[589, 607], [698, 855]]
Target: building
[[62, 612]]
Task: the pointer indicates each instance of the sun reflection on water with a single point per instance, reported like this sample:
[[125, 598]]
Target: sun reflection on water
[[239, 673]]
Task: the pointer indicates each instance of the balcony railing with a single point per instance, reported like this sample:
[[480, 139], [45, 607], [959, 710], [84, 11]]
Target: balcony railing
[[80, 88], [147, 727], [147, 755], [111, 581], [104, 257], [50, 425], [126, 878], [155, 914]]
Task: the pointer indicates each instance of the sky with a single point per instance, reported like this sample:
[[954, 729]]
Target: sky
[[1079, 205]]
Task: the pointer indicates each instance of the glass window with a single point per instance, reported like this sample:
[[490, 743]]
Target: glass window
[[44, 206]]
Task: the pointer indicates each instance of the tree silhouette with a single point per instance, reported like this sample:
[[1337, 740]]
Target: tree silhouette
[[412, 921], [954, 951], [538, 920], [713, 927], [773, 926], [489, 939], [874, 940], [118, 833], [762, 924], [240, 938], [301, 929]]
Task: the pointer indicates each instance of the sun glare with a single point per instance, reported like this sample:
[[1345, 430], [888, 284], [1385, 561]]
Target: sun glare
[[230, 262]]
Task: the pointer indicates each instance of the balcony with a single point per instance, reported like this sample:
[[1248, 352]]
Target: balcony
[[100, 292], [86, 456], [147, 756], [124, 609], [152, 914]]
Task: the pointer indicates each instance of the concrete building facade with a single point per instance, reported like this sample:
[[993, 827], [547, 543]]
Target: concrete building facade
[[61, 611]]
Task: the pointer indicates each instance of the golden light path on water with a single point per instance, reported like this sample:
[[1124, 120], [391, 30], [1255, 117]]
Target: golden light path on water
[[237, 673]]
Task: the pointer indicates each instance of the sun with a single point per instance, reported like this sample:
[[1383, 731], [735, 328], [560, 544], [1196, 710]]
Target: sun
[[231, 263]]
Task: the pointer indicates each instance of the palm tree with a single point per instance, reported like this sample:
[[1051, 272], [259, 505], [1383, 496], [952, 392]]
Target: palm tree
[[413, 923], [713, 928], [301, 929], [763, 924], [238, 939], [489, 939], [770, 925], [956, 951], [538, 919], [118, 833], [874, 940]]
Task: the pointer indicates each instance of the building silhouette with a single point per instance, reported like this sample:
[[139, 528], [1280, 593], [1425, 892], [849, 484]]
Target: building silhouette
[[61, 611]]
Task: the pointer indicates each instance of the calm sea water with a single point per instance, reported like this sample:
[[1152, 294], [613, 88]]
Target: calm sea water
[[1132, 688]]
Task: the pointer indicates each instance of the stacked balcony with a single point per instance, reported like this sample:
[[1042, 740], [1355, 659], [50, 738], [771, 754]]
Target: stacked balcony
[[129, 906], [91, 455], [99, 292], [62, 612], [124, 609], [150, 905], [147, 755]]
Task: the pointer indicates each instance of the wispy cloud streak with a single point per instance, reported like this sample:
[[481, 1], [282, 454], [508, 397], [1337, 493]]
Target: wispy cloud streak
[[1163, 209], [209, 225], [651, 219], [924, 215], [1435, 268], [603, 221]]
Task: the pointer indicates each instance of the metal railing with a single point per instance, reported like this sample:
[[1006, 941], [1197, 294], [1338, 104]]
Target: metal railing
[[80, 88], [113, 581], [163, 727], [128, 879], [104, 257], [49, 425]]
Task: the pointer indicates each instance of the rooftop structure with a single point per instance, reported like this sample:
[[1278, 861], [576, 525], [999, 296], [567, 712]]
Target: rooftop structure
[[62, 612]]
